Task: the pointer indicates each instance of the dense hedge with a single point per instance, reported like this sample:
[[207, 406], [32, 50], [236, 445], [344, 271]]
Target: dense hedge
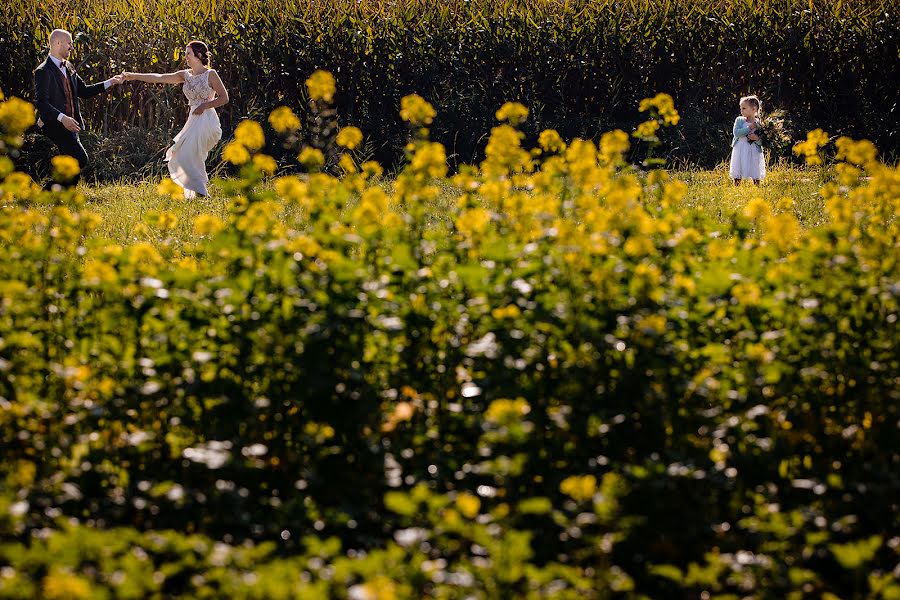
[[579, 66]]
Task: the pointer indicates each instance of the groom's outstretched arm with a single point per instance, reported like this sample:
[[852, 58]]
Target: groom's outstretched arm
[[49, 113], [87, 91]]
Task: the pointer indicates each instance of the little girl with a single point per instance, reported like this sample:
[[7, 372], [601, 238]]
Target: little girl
[[747, 161]]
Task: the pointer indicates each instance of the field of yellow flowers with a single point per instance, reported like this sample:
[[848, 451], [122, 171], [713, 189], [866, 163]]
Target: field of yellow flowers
[[553, 374]]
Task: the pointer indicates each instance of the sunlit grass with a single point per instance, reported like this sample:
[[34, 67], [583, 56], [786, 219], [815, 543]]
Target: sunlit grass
[[124, 207]]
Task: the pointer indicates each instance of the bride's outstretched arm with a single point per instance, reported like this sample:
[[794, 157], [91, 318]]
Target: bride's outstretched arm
[[176, 77]]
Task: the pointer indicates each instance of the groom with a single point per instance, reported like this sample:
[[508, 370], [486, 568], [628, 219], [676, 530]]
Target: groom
[[57, 89]]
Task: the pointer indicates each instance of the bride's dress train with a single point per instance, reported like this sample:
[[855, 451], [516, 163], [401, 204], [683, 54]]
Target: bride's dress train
[[187, 156]]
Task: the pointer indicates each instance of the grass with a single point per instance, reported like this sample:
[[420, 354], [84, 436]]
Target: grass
[[125, 206]]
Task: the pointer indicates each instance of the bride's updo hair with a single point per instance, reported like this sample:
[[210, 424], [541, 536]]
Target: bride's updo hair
[[200, 50]]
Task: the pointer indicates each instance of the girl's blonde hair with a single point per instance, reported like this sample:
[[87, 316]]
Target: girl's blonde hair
[[752, 101]]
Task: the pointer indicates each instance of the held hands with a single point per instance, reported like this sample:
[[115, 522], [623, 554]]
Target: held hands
[[118, 79]]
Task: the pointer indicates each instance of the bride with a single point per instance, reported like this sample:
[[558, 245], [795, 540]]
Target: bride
[[201, 132]]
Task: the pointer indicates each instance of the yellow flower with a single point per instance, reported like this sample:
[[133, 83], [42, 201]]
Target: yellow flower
[[235, 153], [415, 110], [265, 164], [815, 139], [311, 158], [861, 153], [468, 504], [144, 252], [140, 230], [430, 159], [321, 86], [20, 185], [551, 141], [65, 168], [510, 311], [673, 192], [283, 120], [756, 209], [347, 165], [249, 134], [647, 129], [379, 588], [167, 221], [59, 585], [612, 145], [16, 116], [349, 137], [720, 249], [169, 188], [371, 169], [373, 204], [782, 231], [747, 292], [207, 225], [512, 112], [663, 105], [291, 188], [473, 222], [579, 488], [505, 412], [97, 271]]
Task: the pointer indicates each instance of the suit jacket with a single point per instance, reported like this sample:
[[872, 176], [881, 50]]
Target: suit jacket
[[50, 96]]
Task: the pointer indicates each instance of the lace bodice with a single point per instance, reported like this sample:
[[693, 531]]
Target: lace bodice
[[196, 87]]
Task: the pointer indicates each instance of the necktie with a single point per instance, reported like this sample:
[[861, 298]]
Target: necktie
[[67, 87]]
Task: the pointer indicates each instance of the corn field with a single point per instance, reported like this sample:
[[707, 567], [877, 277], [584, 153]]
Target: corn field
[[579, 66]]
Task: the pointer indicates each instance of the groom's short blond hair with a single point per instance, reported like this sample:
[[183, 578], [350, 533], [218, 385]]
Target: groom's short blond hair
[[58, 33]]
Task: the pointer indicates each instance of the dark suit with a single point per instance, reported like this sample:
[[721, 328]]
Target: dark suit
[[50, 97]]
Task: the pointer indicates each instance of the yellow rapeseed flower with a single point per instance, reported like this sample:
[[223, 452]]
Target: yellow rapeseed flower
[[551, 141], [283, 120], [349, 137], [663, 105], [612, 145], [860, 153], [250, 135], [347, 165], [169, 188], [647, 129], [311, 158], [512, 112], [371, 169], [747, 293], [579, 488], [167, 221], [415, 110], [809, 148], [98, 271], [235, 153], [505, 412], [265, 164], [207, 225], [321, 86], [65, 168], [473, 222], [16, 116], [468, 504], [60, 585], [756, 209], [145, 253]]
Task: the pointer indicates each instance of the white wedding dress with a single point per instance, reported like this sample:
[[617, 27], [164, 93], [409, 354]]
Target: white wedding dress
[[187, 156]]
